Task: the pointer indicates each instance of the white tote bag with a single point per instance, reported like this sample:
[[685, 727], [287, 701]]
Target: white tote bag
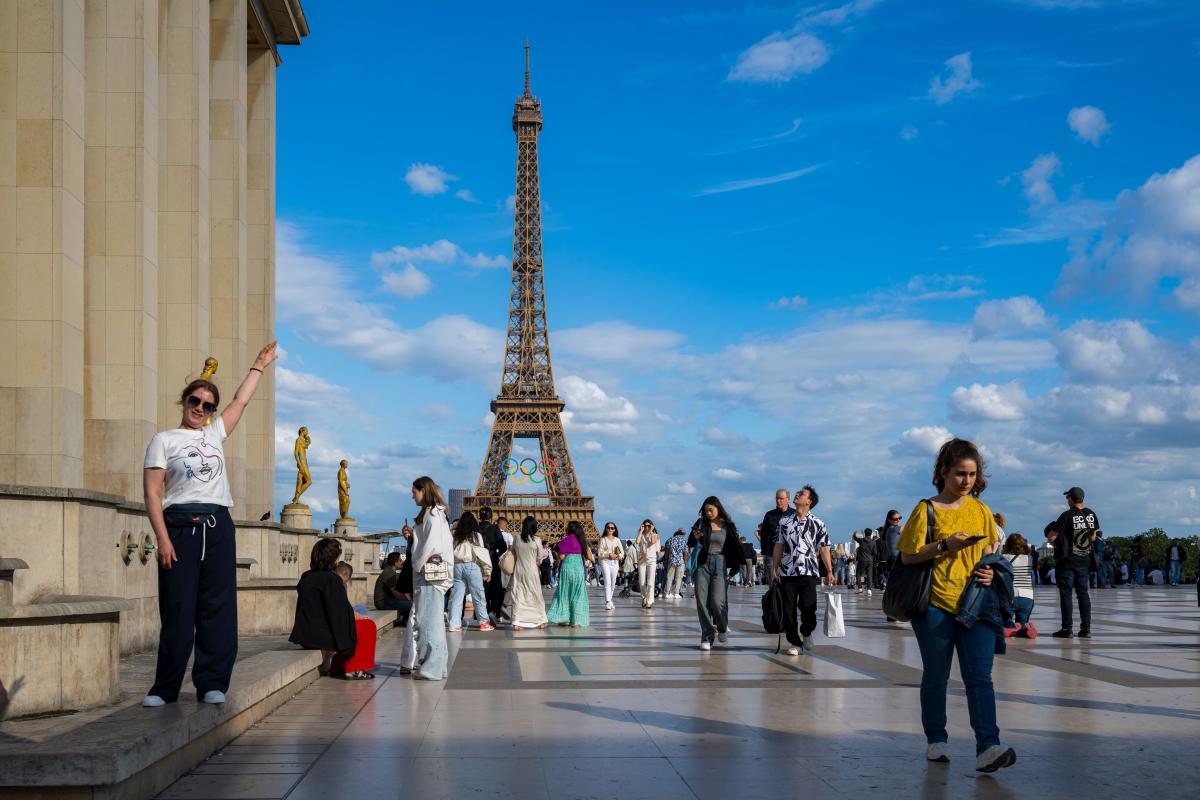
[[835, 625]]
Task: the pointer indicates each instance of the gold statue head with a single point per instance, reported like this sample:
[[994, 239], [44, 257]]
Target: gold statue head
[[210, 368], [303, 432], [343, 463]]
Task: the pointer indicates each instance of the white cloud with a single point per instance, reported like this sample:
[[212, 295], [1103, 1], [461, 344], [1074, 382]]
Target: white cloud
[[467, 196], [924, 440], [726, 474], [796, 301], [1013, 316], [1089, 123], [409, 282], [1036, 180], [955, 79], [1118, 352], [991, 402], [590, 409], [592, 446], [779, 58], [681, 488], [753, 183], [427, 179], [315, 298], [719, 438], [617, 341], [1151, 240], [840, 15], [909, 132], [442, 251]]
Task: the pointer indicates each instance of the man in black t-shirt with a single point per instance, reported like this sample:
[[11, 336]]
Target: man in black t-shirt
[[1073, 554]]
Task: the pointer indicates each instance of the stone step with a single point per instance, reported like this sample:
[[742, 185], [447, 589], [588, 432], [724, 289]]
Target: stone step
[[132, 752]]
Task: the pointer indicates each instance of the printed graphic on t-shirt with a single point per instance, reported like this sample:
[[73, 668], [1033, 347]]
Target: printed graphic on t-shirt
[[802, 540], [1081, 525], [201, 462]]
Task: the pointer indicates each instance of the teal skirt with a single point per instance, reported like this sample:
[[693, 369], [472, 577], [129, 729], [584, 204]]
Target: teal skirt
[[570, 604]]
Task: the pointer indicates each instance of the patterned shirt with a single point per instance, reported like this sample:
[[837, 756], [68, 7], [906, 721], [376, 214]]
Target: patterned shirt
[[802, 540], [677, 549]]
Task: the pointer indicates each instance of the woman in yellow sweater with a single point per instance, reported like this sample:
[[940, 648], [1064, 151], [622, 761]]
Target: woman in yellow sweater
[[964, 531]]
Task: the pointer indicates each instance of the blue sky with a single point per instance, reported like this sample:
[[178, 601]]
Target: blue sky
[[784, 244]]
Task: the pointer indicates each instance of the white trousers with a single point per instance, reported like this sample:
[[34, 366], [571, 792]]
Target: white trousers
[[608, 568], [646, 573], [674, 581]]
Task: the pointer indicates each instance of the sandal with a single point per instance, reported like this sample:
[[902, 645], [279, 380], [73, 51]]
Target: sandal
[[403, 671], [360, 675]]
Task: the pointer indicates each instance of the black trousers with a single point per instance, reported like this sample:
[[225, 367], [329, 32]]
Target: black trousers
[[197, 603], [1076, 578], [866, 574], [799, 594], [493, 590]]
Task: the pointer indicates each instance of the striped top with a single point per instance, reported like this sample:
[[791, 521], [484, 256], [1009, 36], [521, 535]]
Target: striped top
[[1022, 567]]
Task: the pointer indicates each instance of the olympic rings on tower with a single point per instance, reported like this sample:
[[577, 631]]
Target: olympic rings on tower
[[527, 470]]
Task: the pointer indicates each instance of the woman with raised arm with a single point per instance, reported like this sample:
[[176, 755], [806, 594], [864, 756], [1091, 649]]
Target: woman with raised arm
[[964, 532], [432, 551], [187, 495]]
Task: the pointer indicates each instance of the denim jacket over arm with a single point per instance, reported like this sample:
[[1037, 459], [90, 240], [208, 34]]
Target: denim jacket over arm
[[991, 604]]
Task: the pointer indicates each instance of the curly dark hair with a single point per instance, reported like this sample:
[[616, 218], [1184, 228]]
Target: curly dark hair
[[325, 554], [953, 452], [1015, 545]]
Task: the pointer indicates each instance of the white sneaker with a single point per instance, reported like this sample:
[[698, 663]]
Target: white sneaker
[[722, 637], [995, 757], [706, 645], [609, 605], [152, 701], [868, 592], [214, 697], [937, 752], [792, 651]]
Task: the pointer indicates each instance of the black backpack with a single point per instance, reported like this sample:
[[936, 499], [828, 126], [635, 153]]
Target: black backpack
[[773, 605]]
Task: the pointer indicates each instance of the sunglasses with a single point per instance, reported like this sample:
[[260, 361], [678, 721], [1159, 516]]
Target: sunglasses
[[195, 402]]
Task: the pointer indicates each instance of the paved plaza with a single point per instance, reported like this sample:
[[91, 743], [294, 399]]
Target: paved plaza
[[630, 708]]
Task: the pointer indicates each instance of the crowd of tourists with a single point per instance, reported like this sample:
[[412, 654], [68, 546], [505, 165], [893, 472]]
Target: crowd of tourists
[[948, 569]]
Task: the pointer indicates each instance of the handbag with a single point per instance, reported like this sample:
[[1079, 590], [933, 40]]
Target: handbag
[[835, 623], [436, 570], [693, 562], [906, 595], [508, 562]]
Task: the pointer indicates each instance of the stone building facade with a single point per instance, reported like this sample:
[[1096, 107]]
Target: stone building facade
[[137, 230]]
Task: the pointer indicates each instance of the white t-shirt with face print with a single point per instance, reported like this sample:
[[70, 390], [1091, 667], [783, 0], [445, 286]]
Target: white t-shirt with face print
[[195, 464]]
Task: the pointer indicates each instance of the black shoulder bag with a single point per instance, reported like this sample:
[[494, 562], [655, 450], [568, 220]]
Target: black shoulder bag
[[907, 594]]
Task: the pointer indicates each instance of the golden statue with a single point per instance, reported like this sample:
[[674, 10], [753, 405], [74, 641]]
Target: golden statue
[[210, 369], [303, 476], [343, 490]]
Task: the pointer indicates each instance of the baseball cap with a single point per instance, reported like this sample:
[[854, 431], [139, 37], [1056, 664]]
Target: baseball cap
[[1074, 493]]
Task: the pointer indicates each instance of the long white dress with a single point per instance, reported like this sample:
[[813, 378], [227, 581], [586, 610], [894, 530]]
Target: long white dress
[[525, 588]]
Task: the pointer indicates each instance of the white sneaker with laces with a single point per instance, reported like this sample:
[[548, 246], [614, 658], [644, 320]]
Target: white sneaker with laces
[[995, 757], [792, 651], [214, 697], [153, 701], [937, 752], [705, 645]]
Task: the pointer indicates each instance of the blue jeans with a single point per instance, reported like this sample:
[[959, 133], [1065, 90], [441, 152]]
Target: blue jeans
[[1174, 573], [467, 578], [432, 655], [1074, 578], [939, 636], [1022, 611], [712, 603]]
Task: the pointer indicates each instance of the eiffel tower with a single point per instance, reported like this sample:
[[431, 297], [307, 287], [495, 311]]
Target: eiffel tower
[[528, 406]]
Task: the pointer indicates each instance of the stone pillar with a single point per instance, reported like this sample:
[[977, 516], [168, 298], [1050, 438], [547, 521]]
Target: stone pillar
[[259, 420], [227, 193], [183, 216], [121, 242], [41, 242]]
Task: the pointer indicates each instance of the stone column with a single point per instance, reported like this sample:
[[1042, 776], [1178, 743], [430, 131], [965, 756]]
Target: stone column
[[183, 209], [41, 242], [227, 193], [121, 242], [259, 421]]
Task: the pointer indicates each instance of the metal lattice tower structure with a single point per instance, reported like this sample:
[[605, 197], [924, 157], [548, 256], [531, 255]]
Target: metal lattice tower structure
[[528, 406]]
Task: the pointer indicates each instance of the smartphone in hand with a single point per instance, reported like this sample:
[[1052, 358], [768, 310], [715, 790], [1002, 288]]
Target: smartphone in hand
[[973, 539]]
